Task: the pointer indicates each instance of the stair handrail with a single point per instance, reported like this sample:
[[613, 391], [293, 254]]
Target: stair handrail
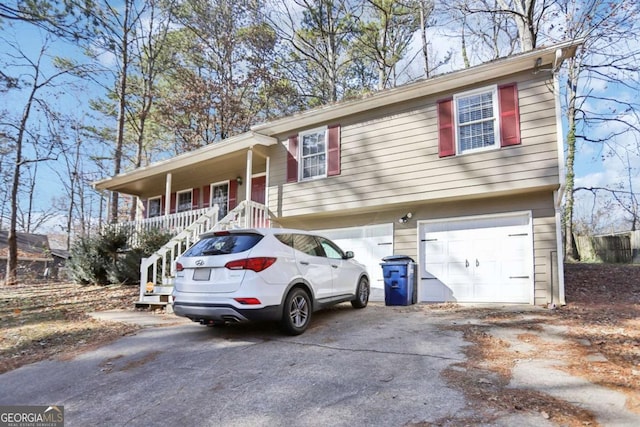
[[174, 248]]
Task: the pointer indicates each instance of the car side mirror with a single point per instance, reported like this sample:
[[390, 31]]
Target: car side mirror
[[348, 255]]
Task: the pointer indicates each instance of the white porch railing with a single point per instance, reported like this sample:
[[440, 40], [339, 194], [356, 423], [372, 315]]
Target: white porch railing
[[159, 268], [173, 223]]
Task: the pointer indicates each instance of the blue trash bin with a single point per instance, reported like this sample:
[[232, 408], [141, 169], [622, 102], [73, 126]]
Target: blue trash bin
[[400, 285]]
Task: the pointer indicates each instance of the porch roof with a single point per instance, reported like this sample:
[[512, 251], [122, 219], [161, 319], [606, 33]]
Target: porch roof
[[189, 168]]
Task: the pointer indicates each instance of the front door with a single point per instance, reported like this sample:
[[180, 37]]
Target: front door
[[258, 188]]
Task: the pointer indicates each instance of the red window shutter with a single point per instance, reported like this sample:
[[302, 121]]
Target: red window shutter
[[333, 153], [195, 198], [206, 196], [509, 115], [233, 194], [446, 136], [172, 206], [292, 159], [145, 211], [163, 203]]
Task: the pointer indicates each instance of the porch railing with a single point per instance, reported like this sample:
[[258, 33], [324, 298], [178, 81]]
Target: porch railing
[[173, 223], [159, 268]]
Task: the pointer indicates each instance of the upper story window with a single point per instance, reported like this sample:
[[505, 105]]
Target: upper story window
[[478, 120], [184, 199], [154, 207], [313, 153]]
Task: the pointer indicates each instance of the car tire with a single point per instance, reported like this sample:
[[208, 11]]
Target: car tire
[[297, 312], [362, 294]]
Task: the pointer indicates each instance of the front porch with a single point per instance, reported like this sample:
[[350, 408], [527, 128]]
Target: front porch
[[220, 186]]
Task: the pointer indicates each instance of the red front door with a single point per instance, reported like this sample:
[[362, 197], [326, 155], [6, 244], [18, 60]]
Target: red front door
[[258, 187]]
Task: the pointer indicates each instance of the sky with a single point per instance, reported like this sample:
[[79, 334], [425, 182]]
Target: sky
[[595, 164]]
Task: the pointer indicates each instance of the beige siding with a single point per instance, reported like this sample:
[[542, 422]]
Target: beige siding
[[392, 158], [406, 235]]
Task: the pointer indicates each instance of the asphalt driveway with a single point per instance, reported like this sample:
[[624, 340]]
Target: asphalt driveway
[[380, 366]]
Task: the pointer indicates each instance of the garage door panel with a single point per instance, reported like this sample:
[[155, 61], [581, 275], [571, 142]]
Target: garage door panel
[[370, 244], [488, 259]]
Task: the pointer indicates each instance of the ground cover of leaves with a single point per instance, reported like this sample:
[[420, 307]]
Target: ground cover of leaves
[[602, 316], [40, 321]]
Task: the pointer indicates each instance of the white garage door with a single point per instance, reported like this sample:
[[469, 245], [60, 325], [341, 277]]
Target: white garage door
[[370, 244], [477, 259]]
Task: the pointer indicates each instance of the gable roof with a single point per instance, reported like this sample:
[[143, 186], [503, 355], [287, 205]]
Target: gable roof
[[30, 246]]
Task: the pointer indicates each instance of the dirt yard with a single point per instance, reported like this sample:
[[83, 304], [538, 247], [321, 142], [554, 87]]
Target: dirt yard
[[602, 316], [41, 321], [603, 312]]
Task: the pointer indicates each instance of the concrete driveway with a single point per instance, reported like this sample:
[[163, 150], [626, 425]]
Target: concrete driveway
[[380, 366]]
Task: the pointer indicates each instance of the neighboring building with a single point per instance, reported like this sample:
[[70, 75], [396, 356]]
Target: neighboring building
[[35, 260], [463, 172]]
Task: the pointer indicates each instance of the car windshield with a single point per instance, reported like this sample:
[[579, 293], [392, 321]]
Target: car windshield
[[224, 244]]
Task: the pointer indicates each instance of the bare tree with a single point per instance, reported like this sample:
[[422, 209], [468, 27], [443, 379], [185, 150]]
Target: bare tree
[[319, 34], [607, 57], [385, 34], [34, 81]]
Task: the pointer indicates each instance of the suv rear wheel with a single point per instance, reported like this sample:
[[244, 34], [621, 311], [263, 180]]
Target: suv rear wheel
[[297, 312]]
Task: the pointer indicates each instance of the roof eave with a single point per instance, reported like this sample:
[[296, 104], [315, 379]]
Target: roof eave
[[434, 85]]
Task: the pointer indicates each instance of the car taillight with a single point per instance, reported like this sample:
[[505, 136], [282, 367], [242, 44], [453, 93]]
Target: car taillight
[[179, 267], [256, 264], [248, 301]]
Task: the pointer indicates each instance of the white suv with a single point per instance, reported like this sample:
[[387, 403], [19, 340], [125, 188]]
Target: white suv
[[265, 274]]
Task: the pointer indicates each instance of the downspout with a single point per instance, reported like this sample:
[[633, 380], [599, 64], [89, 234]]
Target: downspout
[[559, 194]]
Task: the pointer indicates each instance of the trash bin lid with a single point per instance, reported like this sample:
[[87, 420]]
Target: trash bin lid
[[398, 258]]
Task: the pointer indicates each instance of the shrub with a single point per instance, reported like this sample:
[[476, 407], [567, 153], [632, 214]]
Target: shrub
[[107, 258]]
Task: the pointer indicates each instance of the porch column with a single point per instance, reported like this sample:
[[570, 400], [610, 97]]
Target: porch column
[[249, 173], [266, 183], [167, 195]]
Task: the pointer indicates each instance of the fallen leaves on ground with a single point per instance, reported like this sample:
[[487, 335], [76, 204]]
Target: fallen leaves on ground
[[601, 320], [40, 321]]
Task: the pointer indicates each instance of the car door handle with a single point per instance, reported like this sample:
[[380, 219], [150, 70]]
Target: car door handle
[[304, 262], [334, 266]]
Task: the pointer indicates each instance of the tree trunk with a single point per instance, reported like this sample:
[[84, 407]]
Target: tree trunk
[[11, 274], [122, 104], [570, 250]]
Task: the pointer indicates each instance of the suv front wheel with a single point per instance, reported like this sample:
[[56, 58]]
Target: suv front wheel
[[362, 294], [297, 312]]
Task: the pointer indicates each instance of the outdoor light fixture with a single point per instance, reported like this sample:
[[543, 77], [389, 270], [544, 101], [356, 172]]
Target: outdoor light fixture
[[239, 180], [405, 218]]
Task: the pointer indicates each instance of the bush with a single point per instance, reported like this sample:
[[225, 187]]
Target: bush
[[107, 258]]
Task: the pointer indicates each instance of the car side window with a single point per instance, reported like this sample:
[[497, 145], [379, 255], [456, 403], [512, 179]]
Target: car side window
[[330, 249], [307, 244], [286, 238]]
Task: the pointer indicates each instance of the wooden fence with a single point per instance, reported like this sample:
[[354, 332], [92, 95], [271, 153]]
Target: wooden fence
[[614, 248]]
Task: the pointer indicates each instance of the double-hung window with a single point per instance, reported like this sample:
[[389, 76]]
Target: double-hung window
[[184, 200], [477, 120], [220, 196], [154, 207], [313, 153]]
